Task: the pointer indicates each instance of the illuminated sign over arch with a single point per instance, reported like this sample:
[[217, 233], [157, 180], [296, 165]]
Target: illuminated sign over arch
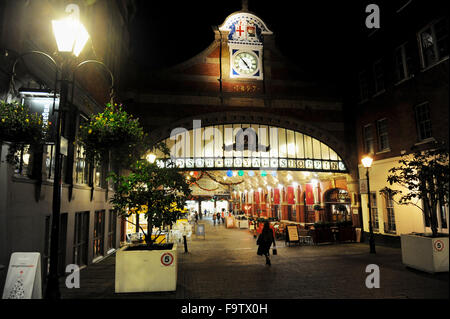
[[248, 146]]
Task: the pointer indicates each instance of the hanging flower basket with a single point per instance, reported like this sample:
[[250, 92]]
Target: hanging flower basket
[[112, 130], [18, 126]]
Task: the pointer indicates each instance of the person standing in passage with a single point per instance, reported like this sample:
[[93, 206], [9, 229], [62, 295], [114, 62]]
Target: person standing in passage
[[218, 218], [196, 217], [214, 219], [265, 240]]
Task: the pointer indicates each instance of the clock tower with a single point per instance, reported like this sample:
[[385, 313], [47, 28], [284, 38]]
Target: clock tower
[[245, 43]]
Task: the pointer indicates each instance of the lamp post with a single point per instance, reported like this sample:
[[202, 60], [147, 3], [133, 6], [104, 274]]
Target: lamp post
[[367, 163], [71, 36]]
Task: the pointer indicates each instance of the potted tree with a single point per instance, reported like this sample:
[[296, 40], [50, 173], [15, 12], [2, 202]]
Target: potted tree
[[159, 193], [422, 181]]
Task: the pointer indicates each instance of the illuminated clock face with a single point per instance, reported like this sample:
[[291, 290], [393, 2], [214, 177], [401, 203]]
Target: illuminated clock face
[[245, 63]]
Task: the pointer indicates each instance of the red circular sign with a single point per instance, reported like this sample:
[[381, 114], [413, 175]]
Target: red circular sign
[[167, 259], [439, 245]]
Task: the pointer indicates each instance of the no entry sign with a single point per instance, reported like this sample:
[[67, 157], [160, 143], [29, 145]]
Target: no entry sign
[[439, 245], [167, 259]]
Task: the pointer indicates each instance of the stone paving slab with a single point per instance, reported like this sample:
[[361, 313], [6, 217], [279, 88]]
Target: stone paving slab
[[224, 265]]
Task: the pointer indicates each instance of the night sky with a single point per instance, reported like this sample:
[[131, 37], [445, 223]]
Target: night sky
[[324, 38], [316, 35]]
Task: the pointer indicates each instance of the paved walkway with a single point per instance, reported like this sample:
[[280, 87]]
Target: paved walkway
[[225, 265]]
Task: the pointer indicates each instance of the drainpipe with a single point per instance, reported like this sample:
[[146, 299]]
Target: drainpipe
[[220, 67]]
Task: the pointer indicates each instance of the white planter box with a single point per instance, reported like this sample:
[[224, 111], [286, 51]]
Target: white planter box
[[425, 253], [146, 270]]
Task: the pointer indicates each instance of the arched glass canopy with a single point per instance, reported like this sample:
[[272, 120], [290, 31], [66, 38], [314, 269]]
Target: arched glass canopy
[[248, 146]]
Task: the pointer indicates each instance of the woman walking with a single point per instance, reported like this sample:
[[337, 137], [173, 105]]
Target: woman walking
[[265, 240]]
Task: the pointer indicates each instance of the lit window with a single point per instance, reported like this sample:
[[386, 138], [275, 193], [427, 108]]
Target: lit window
[[389, 217], [374, 211], [433, 40]]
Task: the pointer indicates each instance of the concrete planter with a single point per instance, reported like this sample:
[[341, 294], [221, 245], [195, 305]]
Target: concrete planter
[[146, 270], [425, 253]]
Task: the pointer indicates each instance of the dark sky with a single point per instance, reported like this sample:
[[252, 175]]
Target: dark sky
[[314, 34]]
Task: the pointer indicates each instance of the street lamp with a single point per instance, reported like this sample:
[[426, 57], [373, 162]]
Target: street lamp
[[71, 36], [367, 163]]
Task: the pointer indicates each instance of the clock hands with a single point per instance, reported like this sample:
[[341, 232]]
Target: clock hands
[[243, 60]]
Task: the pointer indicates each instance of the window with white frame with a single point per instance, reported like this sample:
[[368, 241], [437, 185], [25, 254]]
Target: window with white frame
[[374, 211], [389, 216], [368, 139], [383, 137], [363, 85], [378, 74], [402, 62], [433, 42], [423, 121]]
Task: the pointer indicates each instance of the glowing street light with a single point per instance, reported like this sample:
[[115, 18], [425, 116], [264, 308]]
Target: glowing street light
[[69, 32], [367, 163], [151, 158]]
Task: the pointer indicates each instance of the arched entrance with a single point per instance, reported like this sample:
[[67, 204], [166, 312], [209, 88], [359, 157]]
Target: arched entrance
[[262, 164]]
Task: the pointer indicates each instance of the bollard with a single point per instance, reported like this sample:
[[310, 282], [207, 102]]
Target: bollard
[[185, 244]]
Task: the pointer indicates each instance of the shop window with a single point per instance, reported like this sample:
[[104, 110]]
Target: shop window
[[378, 73], [99, 232], [81, 238], [24, 156], [383, 138], [99, 176], [374, 211], [389, 216], [433, 42], [81, 166], [423, 121], [112, 226], [49, 161], [368, 139], [363, 86]]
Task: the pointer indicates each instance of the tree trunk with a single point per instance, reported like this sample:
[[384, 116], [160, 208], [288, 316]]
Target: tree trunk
[[433, 220], [149, 230]]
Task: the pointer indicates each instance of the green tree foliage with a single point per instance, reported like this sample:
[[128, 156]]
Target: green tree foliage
[[116, 131], [425, 177], [158, 192]]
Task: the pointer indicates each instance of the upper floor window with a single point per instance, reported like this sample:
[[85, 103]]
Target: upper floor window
[[378, 74], [423, 121], [383, 138], [363, 86], [368, 139], [433, 41], [402, 62]]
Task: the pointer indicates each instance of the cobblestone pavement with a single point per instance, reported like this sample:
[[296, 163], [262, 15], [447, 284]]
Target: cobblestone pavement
[[225, 265]]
